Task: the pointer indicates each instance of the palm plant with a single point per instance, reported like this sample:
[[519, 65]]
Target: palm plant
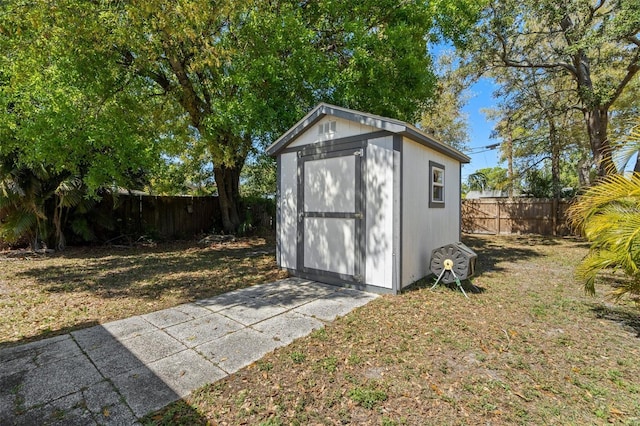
[[608, 215], [35, 204], [22, 206]]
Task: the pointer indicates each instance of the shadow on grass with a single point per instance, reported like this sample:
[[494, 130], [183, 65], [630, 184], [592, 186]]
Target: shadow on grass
[[48, 333], [429, 281], [623, 316], [178, 414], [492, 252], [149, 272]]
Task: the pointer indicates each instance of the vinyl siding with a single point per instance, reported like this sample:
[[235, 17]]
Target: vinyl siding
[[424, 228]]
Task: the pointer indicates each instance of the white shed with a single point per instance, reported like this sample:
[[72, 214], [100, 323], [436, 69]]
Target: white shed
[[363, 200]]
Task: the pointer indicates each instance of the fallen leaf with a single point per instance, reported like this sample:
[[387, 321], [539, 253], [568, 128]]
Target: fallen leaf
[[616, 412]]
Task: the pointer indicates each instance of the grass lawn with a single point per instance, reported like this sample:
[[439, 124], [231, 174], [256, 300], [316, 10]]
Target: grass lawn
[[529, 348], [41, 296]]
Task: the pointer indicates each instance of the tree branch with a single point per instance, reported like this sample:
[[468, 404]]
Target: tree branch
[[632, 70], [504, 56]]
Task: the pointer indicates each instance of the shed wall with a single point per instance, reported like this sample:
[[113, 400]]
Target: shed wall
[[287, 226], [379, 184], [424, 228], [344, 128]]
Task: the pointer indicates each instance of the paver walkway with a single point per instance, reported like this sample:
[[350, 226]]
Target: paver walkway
[[118, 372]]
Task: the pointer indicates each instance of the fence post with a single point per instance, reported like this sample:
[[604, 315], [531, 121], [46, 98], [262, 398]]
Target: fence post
[[498, 217], [554, 216]]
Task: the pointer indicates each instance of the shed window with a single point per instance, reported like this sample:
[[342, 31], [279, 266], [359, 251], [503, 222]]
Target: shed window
[[436, 184], [327, 130]]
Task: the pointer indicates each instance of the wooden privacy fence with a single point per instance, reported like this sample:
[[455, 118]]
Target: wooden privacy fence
[[164, 216], [515, 216]]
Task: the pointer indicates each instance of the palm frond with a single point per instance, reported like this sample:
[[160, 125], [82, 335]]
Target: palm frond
[[17, 224], [80, 226], [608, 215], [618, 189], [624, 149], [70, 192]]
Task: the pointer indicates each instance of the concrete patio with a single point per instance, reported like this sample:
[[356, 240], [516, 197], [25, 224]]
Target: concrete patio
[[117, 372]]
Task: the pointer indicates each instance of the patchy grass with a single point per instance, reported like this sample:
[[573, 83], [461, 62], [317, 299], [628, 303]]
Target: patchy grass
[[527, 348], [41, 296]]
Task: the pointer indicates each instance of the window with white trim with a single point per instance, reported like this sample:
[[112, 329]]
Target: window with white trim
[[326, 130], [436, 184]]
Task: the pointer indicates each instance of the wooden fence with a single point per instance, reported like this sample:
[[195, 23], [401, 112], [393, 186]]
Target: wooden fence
[[515, 216], [164, 216]]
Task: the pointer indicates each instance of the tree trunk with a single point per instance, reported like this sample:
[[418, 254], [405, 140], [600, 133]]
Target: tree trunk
[[228, 183], [60, 241], [597, 121], [510, 176], [555, 160], [584, 177]]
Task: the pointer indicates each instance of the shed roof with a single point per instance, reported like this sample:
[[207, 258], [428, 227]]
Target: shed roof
[[383, 123]]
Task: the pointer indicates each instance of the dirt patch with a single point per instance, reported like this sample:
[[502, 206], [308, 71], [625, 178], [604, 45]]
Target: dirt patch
[[529, 348]]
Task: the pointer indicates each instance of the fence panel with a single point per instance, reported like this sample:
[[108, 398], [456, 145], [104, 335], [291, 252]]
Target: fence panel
[[165, 216], [515, 216]]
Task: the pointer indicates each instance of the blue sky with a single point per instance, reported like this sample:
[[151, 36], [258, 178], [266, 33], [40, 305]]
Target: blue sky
[[480, 128]]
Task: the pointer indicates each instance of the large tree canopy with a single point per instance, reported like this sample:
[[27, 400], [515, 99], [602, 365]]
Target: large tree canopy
[[244, 72], [102, 92], [594, 44], [72, 121]]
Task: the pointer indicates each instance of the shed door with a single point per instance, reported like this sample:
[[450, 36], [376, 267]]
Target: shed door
[[331, 220]]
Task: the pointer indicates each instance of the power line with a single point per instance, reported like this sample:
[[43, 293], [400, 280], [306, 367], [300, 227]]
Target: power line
[[482, 149]]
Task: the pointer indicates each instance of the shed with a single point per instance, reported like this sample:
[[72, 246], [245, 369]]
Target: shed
[[362, 200]]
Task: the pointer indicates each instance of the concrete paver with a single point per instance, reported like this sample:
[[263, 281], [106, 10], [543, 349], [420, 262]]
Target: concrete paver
[[253, 311], [334, 305], [203, 329], [118, 372], [55, 380], [232, 352]]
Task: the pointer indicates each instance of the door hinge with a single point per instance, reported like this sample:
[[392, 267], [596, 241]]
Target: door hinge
[[358, 215], [358, 153]]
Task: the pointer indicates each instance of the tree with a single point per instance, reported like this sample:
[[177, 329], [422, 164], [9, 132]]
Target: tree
[[443, 117], [594, 44], [538, 125], [72, 122], [119, 80], [259, 177], [488, 179], [244, 72]]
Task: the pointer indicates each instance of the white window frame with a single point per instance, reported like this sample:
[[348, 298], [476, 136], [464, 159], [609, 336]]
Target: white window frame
[[327, 130], [433, 183]]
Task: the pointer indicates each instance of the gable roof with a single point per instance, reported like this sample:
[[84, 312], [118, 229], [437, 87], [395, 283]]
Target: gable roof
[[383, 123]]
